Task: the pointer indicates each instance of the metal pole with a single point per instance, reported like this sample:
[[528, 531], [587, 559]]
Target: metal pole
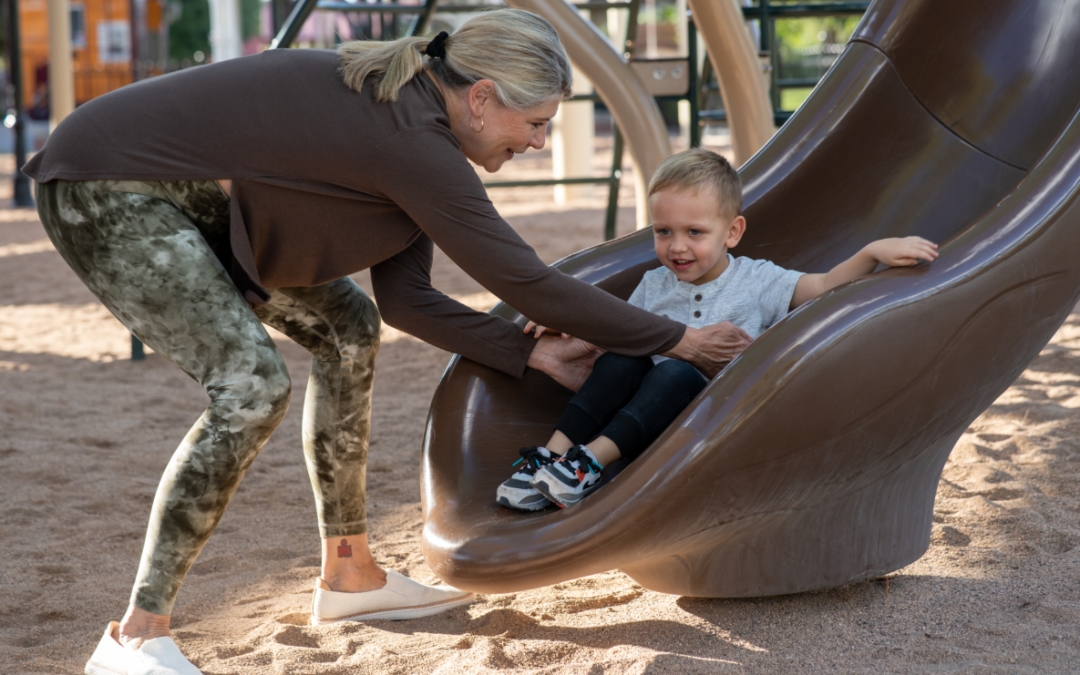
[[631, 29], [421, 21], [137, 351], [613, 189], [279, 11], [22, 182], [695, 83], [617, 141], [768, 44], [299, 14]]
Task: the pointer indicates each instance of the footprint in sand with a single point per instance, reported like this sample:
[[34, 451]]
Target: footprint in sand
[[51, 617], [233, 651], [950, 536], [585, 594], [222, 563], [507, 623], [1002, 494], [1058, 542], [98, 442], [56, 574], [294, 636], [493, 655], [295, 619]]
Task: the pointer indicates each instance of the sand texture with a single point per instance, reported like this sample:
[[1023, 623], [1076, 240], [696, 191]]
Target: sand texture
[[85, 434]]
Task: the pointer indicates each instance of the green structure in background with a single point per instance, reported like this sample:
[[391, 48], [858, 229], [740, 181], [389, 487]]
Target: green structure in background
[[190, 31]]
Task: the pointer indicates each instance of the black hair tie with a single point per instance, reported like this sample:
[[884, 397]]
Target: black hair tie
[[436, 49]]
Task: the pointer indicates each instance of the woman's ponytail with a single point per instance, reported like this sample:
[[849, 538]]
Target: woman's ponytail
[[392, 63], [515, 49]]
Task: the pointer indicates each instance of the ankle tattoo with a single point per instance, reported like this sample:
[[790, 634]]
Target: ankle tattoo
[[344, 550]]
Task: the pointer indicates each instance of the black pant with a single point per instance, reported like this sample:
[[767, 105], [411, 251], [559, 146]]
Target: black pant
[[630, 400]]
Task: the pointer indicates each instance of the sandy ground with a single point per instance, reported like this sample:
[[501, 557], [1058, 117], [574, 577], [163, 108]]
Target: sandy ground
[[85, 434]]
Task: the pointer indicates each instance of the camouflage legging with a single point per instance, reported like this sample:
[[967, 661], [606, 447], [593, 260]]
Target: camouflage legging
[[147, 251]]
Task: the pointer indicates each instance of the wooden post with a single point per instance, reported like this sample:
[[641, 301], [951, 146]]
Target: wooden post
[[61, 80], [573, 143]]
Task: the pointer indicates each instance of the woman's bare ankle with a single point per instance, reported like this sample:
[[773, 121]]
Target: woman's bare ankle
[[348, 566], [356, 579], [139, 625]]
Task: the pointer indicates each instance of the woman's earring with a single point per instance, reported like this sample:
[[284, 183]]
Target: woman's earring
[[481, 125]]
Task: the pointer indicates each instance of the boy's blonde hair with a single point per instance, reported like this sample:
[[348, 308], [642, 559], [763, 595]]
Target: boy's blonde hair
[[517, 50], [699, 169]]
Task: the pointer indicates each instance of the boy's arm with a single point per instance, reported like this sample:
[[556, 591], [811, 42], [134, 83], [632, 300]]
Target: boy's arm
[[895, 252]]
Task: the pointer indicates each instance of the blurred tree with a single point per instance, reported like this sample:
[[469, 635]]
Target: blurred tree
[[795, 34], [807, 47], [190, 32], [250, 18]]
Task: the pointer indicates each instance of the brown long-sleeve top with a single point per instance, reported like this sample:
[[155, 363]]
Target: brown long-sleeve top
[[327, 182]]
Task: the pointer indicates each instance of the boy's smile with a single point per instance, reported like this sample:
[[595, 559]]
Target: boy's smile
[[692, 233]]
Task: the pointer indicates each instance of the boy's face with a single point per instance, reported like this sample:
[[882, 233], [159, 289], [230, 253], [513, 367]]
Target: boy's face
[[692, 234]]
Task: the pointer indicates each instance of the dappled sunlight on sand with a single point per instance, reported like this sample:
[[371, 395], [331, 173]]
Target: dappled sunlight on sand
[[39, 246]]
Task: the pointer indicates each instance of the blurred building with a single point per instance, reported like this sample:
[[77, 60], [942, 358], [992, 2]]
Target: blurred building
[[114, 42]]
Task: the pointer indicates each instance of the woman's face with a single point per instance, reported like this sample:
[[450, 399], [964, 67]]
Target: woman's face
[[505, 133]]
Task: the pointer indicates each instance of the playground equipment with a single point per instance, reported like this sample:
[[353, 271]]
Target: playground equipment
[[812, 461], [626, 96], [734, 59]]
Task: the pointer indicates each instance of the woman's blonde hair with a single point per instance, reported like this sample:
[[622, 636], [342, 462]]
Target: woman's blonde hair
[[517, 50], [700, 169]]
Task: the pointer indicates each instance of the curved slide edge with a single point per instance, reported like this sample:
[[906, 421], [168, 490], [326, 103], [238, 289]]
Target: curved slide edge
[[618, 86]]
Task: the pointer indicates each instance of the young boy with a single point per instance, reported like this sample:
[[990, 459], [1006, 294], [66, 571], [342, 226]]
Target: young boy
[[695, 202]]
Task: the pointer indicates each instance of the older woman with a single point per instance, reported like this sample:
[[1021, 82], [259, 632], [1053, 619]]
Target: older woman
[[201, 205]]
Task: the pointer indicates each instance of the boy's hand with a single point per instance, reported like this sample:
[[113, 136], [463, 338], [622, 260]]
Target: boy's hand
[[902, 251], [895, 252]]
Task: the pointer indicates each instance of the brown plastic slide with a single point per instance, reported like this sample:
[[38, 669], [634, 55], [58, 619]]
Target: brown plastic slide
[[812, 461]]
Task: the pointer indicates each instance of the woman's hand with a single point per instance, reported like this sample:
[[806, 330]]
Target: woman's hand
[[537, 330], [711, 348], [568, 360]]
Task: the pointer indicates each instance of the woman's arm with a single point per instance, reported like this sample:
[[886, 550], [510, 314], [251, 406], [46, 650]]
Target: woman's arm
[[568, 358], [407, 301], [895, 252], [432, 182]]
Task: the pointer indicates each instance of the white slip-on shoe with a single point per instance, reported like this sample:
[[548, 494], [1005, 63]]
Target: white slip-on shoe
[[401, 598], [159, 656]]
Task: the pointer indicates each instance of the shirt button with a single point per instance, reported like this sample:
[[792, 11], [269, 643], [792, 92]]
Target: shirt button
[[698, 297], [697, 315]]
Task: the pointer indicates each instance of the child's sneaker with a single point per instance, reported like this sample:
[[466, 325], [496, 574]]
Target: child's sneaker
[[516, 492], [570, 479]]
